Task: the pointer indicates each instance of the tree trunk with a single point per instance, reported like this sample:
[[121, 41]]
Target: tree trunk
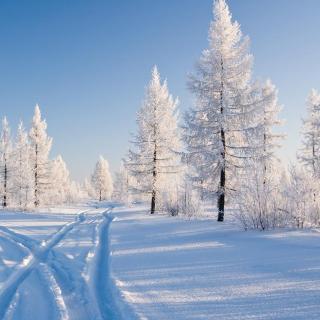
[[36, 200], [5, 184], [154, 179], [222, 184], [153, 202], [221, 198]]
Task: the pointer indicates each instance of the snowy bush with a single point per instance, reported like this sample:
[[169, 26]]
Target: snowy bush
[[258, 202], [300, 198]]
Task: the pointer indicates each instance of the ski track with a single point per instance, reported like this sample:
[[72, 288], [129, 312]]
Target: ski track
[[41, 259], [55, 290], [100, 272]]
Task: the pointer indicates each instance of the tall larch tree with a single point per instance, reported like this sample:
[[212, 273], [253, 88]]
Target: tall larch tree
[[154, 159], [40, 146], [225, 108], [5, 152]]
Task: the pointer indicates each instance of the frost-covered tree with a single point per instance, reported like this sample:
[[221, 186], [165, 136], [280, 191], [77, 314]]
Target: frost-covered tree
[[102, 180], [87, 188], [270, 139], [60, 181], [297, 193], [76, 192], [225, 111], [23, 176], [121, 190], [40, 146], [309, 154], [154, 160], [5, 153], [257, 197]]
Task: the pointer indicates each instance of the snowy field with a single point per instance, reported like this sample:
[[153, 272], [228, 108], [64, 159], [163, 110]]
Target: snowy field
[[98, 263]]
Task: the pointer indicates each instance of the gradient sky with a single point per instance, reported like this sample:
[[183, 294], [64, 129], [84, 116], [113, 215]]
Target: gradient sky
[[87, 63]]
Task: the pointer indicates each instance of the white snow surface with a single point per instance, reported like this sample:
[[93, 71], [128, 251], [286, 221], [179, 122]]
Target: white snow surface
[[169, 268], [89, 262]]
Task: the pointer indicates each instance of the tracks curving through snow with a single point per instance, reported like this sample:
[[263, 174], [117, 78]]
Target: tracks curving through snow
[[98, 274], [50, 265]]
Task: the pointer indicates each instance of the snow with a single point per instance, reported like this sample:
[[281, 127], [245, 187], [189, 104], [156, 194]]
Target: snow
[[167, 267], [100, 262], [44, 279]]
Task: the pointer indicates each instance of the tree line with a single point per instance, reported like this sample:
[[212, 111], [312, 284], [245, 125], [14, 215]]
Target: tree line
[[225, 152], [30, 179]]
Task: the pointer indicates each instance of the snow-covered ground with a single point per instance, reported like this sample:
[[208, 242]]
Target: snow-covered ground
[[50, 263], [168, 268], [97, 263]]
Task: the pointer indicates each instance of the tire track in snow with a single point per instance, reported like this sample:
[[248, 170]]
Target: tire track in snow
[[55, 290], [18, 238], [98, 273], [23, 270], [73, 285]]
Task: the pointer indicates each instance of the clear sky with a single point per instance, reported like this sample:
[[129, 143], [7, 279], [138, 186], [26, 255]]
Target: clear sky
[[87, 63]]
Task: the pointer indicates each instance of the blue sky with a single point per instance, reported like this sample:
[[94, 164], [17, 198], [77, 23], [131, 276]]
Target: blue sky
[[87, 63]]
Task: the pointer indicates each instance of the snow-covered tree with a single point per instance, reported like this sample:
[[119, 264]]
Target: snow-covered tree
[[297, 194], [270, 139], [121, 190], [88, 189], [23, 176], [309, 154], [257, 197], [60, 181], [102, 180], [226, 108], [5, 153], [76, 192], [154, 160], [40, 146]]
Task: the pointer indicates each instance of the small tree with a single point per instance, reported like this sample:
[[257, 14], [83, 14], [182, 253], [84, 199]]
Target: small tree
[[101, 180], [40, 146], [121, 190], [60, 181]]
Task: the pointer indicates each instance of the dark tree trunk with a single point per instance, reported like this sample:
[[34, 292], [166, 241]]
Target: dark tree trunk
[[5, 184], [153, 202], [36, 182], [222, 184], [154, 179]]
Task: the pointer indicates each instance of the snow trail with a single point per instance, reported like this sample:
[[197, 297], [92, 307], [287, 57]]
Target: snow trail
[[20, 239], [23, 270], [99, 270], [55, 290]]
